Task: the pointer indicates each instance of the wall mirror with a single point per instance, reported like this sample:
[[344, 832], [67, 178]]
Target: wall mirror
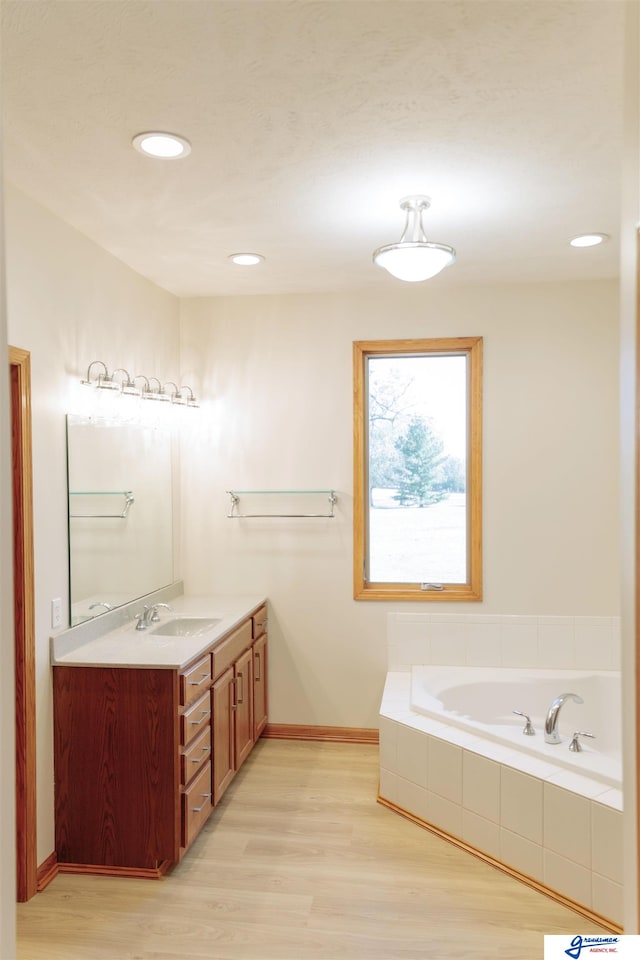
[[120, 513]]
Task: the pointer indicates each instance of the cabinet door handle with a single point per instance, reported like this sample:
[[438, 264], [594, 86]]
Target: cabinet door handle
[[205, 713], [198, 683], [256, 675], [234, 702], [207, 796], [205, 751], [241, 677]]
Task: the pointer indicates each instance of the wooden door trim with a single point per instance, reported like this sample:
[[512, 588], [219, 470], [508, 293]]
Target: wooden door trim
[[24, 627]]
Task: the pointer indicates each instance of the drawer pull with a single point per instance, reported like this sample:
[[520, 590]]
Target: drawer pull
[[198, 683], [241, 677], [256, 676], [207, 796], [205, 751], [205, 713]]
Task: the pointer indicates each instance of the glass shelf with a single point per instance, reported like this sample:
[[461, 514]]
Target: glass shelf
[[128, 500], [293, 499]]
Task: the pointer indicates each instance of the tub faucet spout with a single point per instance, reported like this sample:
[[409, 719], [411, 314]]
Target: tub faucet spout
[[551, 734]]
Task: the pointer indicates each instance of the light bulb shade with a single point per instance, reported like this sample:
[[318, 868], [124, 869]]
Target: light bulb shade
[[414, 260], [106, 383]]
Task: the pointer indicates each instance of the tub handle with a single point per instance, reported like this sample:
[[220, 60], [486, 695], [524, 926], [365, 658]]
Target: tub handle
[[575, 746], [528, 727]]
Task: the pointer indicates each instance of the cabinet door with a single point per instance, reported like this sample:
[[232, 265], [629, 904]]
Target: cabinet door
[[223, 745], [259, 686], [259, 622], [243, 670]]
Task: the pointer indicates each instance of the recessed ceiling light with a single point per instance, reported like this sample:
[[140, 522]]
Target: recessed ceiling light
[[246, 259], [166, 146], [589, 240]]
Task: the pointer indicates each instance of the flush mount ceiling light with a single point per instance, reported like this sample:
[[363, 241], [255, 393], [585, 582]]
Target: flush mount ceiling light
[[589, 239], [164, 146], [246, 259], [414, 257]]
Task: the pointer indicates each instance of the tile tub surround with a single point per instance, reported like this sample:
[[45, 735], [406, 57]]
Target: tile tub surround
[[486, 640], [560, 830]]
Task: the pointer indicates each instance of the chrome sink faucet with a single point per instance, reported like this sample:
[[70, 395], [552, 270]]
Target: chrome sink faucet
[[149, 615], [551, 734]]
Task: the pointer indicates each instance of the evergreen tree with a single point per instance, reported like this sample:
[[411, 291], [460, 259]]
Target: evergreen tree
[[452, 476], [416, 478]]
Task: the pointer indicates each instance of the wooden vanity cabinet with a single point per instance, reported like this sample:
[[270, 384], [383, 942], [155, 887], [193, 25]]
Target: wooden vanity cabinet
[[260, 701], [117, 771], [142, 755], [233, 731]]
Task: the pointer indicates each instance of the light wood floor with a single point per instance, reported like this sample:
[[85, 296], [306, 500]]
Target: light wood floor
[[299, 862]]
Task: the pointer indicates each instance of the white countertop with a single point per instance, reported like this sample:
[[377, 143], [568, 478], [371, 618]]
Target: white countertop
[[127, 647]]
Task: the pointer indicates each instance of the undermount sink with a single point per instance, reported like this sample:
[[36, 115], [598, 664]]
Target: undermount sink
[[185, 626]]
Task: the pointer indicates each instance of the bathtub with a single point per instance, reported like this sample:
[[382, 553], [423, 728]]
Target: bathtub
[[481, 701], [454, 758]]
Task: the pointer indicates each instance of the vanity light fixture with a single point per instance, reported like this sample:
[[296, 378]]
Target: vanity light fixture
[[413, 257], [246, 259], [182, 399], [155, 393], [150, 388], [127, 386], [172, 393], [103, 381], [162, 146], [589, 239]]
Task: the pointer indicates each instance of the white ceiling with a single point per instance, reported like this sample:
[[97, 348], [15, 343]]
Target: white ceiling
[[309, 121]]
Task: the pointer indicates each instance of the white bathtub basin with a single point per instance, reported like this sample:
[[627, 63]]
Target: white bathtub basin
[[481, 700]]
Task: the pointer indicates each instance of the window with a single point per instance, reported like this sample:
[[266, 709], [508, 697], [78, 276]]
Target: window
[[418, 469]]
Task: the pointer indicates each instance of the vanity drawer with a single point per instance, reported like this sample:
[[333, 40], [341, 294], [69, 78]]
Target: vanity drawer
[[259, 622], [194, 680], [195, 756], [230, 649], [194, 720], [196, 805]]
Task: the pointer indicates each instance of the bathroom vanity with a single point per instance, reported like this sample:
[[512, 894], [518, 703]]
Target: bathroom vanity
[[150, 730]]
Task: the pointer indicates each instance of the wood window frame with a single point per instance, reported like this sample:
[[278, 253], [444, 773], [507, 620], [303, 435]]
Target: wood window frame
[[362, 351]]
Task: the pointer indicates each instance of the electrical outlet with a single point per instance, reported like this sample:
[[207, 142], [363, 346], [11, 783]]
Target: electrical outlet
[[56, 613]]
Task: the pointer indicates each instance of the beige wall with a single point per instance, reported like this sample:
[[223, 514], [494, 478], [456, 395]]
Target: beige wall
[[69, 302], [276, 376], [277, 372]]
